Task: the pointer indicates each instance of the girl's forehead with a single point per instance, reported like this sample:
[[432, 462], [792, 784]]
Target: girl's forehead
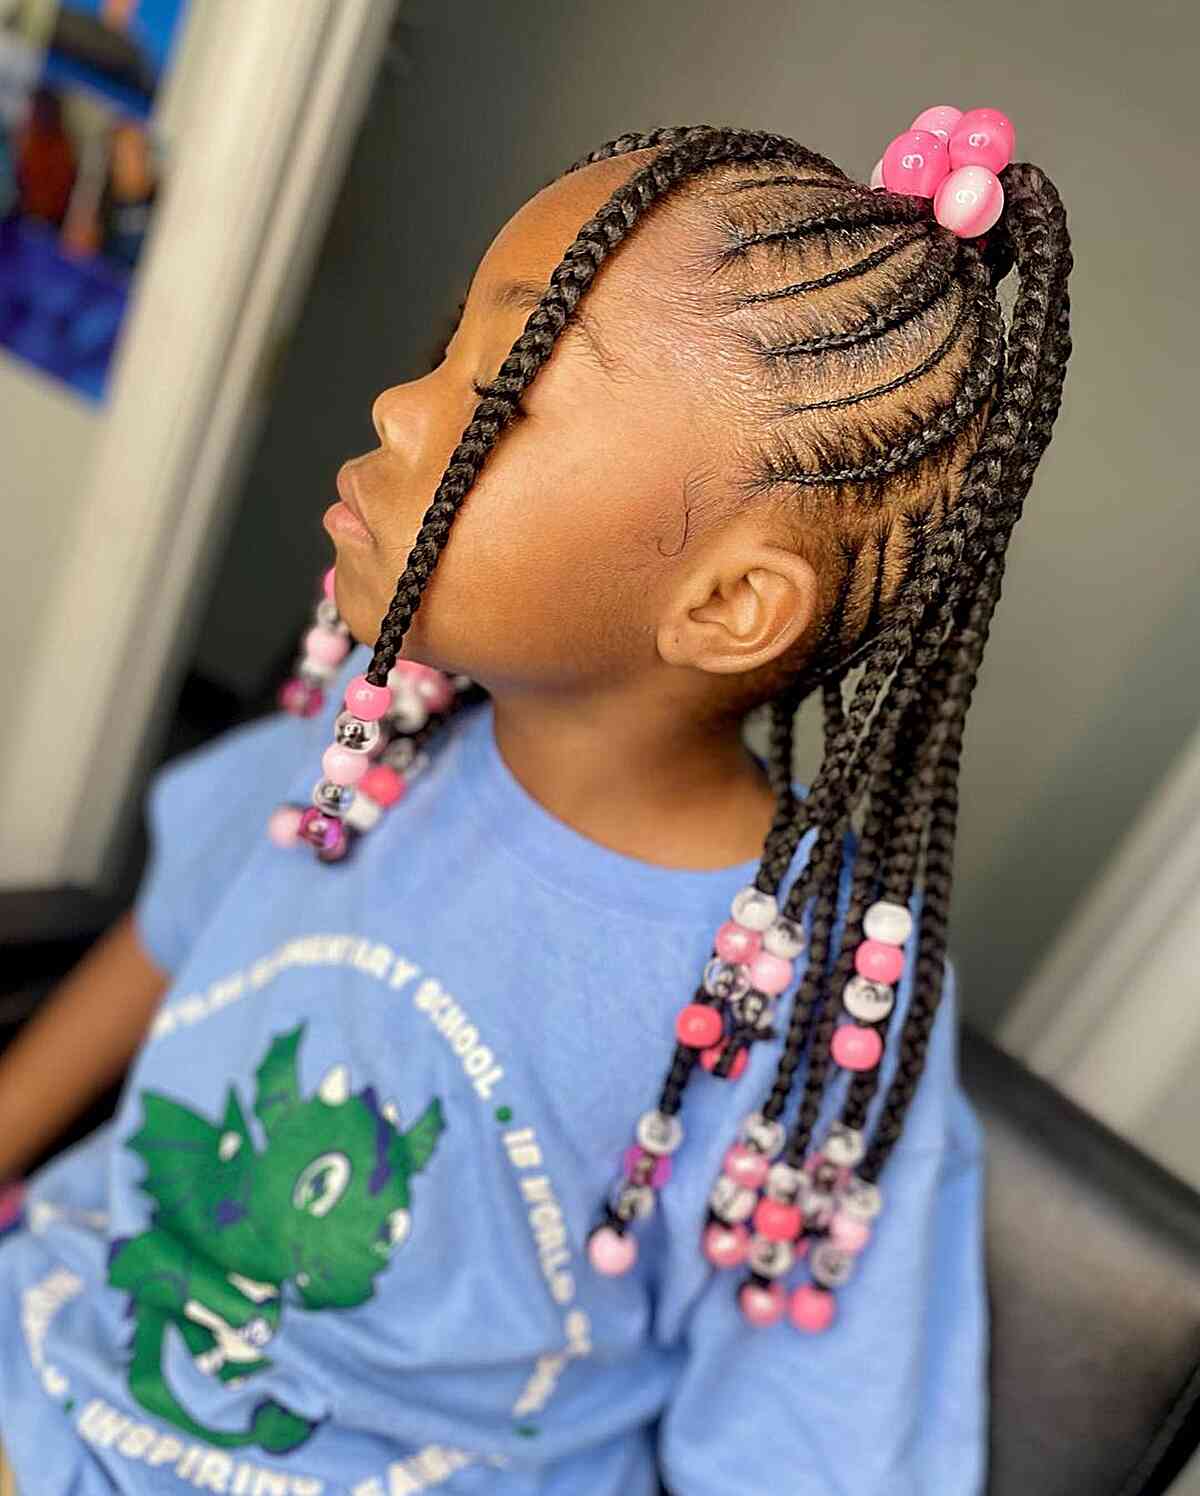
[[632, 279]]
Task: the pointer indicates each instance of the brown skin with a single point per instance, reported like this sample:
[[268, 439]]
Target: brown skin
[[615, 654]]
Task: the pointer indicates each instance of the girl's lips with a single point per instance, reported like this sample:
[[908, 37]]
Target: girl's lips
[[339, 518], [345, 488]]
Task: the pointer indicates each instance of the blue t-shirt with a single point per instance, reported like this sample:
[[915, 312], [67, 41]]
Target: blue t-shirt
[[333, 1239]]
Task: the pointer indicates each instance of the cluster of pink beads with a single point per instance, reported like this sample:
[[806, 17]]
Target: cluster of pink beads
[[953, 158], [372, 759], [762, 1212], [753, 962]]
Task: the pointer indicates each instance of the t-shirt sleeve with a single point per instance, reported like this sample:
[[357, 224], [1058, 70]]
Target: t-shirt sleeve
[[892, 1397], [207, 809]]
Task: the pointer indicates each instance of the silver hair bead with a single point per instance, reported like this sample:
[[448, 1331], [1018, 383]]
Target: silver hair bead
[[354, 733], [831, 1266], [725, 980], [332, 799], [770, 1259], [634, 1202]]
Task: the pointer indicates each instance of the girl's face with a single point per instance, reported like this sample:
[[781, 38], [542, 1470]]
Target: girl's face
[[565, 556]]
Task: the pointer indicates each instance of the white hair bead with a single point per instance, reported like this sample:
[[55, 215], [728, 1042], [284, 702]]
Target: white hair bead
[[730, 1202], [889, 923], [659, 1133], [784, 1183], [767, 1137], [784, 938], [843, 1145], [868, 1001], [753, 909], [407, 710], [364, 813], [861, 1199]]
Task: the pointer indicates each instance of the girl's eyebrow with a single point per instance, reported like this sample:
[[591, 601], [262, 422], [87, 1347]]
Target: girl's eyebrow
[[524, 296]]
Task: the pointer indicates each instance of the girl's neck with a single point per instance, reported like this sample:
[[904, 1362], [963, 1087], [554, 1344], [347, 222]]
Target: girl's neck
[[649, 783]]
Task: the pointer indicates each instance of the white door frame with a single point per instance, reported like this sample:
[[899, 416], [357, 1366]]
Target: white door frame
[[1112, 1015], [262, 140]]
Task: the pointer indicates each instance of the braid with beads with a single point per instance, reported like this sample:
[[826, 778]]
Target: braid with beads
[[906, 426]]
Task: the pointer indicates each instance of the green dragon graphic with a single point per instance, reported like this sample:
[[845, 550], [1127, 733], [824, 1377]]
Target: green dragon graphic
[[322, 1207]]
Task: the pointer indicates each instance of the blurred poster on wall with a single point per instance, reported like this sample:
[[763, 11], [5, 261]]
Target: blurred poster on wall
[[80, 173]]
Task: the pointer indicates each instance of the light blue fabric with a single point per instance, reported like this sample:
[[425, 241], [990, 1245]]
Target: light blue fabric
[[511, 987]]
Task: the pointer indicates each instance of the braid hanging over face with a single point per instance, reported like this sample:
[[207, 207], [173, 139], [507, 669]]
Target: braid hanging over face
[[902, 423]]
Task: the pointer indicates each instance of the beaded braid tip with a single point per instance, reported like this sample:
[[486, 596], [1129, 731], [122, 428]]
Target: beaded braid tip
[[753, 961], [375, 754], [765, 1214]]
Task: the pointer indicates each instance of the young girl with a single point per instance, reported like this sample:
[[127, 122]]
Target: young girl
[[559, 1098]]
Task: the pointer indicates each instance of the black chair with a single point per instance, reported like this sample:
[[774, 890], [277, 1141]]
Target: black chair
[[1093, 1259], [1093, 1256]]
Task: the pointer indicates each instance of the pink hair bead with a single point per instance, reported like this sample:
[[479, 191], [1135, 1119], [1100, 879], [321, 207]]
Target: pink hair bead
[[367, 701], [327, 584], [811, 1309], [777, 1221], [383, 784], [612, 1252], [915, 162], [770, 974], [745, 1165], [726, 1246], [856, 1048], [849, 1233], [762, 1304], [709, 1058], [969, 201], [878, 962], [877, 177], [983, 137], [938, 119], [318, 829], [300, 699], [735, 944], [284, 826], [344, 765], [662, 1165], [698, 1026], [326, 646], [337, 844]]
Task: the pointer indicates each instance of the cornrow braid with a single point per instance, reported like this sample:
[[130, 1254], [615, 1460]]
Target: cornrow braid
[[902, 422]]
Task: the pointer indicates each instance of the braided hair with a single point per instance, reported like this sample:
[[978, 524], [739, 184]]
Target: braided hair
[[900, 422]]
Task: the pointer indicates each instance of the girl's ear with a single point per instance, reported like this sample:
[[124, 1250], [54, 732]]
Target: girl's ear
[[737, 607]]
